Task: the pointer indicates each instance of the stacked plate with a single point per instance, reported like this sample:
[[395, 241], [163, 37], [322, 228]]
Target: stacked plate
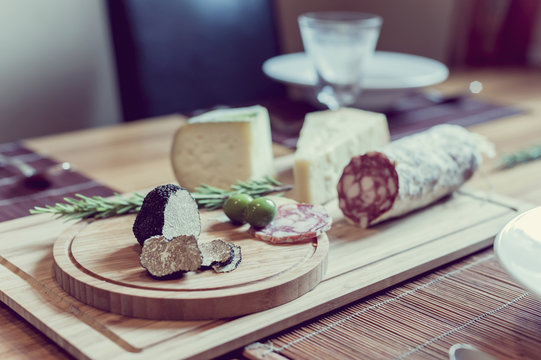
[[389, 76]]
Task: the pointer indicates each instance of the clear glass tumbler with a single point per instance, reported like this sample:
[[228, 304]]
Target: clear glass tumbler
[[340, 44]]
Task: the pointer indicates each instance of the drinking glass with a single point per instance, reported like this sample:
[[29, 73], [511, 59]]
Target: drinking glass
[[340, 44]]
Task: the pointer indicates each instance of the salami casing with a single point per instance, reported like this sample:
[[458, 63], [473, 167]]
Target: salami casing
[[295, 223], [408, 174]]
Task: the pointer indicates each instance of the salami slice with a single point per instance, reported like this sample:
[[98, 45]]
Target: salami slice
[[295, 223], [408, 174]]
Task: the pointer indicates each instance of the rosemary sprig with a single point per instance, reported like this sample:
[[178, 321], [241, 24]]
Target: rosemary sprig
[[95, 207], [208, 197], [520, 157]]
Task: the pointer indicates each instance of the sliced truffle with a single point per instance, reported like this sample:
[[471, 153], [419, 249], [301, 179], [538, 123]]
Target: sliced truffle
[[232, 264], [167, 210], [162, 257], [216, 252]]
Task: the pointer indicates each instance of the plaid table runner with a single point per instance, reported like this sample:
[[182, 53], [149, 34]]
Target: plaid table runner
[[16, 198]]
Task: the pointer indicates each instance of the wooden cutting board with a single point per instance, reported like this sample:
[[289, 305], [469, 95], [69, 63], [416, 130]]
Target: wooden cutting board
[[98, 263], [360, 263]]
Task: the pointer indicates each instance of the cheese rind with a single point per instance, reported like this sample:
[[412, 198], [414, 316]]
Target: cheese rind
[[220, 147], [327, 142]]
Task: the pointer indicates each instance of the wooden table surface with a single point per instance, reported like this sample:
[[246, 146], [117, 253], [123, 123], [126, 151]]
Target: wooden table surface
[[135, 156]]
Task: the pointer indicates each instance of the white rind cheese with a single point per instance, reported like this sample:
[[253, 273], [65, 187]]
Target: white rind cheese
[[327, 142], [222, 146]]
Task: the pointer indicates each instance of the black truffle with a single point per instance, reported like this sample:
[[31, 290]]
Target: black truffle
[[233, 263], [162, 257], [216, 252], [167, 210]]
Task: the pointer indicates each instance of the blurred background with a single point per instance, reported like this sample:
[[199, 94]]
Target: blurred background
[[67, 65]]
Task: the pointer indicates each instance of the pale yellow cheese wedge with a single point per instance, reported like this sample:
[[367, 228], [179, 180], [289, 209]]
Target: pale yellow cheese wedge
[[221, 147], [327, 141]]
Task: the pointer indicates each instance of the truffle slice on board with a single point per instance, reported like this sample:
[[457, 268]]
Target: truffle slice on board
[[216, 251], [162, 257], [167, 210], [236, 258]]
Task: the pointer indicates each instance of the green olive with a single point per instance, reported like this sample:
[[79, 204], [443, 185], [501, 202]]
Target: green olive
[[260, 212], [235, 206]]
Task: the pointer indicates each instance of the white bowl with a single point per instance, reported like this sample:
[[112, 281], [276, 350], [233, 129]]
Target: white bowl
[[389, 76], [518, 248]]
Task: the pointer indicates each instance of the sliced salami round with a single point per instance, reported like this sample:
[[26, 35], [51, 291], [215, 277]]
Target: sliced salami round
[[408, 174], [368, 188], [295, 223]]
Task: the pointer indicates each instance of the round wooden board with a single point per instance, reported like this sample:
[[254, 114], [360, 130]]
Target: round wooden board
[[98, 263]]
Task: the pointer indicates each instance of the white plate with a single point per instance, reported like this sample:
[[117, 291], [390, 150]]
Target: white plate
[[389, 76], [518, 247], [387, 70]]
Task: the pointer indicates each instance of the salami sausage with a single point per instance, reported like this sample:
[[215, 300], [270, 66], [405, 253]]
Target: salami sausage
[[295, 223], [408, 174]]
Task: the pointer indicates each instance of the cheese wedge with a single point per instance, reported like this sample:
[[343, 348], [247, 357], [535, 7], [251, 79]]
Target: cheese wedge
[[327, 141], [220, 147]]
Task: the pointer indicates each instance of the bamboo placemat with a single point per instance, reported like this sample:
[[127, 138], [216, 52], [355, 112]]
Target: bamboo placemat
[[471, 301]]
